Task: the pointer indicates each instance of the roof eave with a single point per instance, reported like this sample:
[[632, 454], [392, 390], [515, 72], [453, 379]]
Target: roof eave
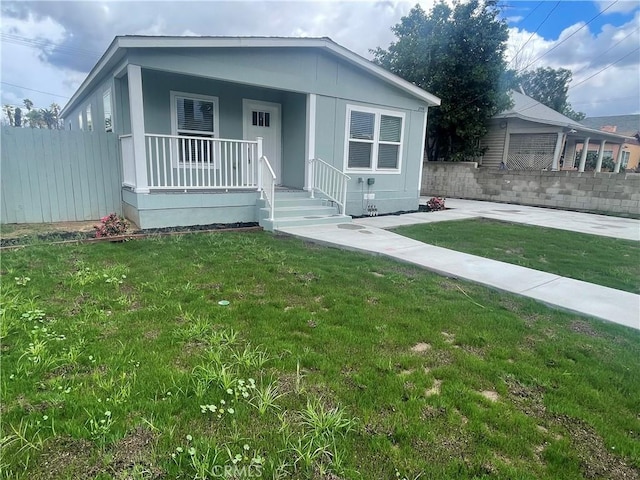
[[126, 42], [95, 71], [575, 126]]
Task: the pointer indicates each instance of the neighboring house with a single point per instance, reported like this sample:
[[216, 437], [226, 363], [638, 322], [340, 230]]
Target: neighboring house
[[209, 125], [532, 136], [622, 124]]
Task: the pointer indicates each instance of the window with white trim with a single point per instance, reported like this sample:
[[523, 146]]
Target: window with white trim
[[625, 159], [89, 119], [373, 140], [194, 116], [106, 103], [80, 127]]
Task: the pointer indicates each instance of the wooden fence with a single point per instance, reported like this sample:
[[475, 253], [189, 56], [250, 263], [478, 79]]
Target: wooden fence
[[58, 175]]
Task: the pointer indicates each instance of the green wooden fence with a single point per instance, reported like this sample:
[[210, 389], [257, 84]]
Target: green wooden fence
[[58, 175]]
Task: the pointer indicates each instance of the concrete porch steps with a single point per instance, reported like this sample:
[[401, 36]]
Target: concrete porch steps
[[295, 209]]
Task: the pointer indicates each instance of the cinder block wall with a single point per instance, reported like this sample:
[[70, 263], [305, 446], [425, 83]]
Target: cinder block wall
[[617, 193]]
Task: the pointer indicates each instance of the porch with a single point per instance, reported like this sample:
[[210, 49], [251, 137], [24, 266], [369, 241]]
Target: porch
[[193, 180], [216, 150]]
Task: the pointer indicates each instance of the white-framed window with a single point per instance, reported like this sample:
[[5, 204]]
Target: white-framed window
[[70, 126], [194, 116], [106, 103], [89, 119], [625, 159], [374, 140], [80, 123]]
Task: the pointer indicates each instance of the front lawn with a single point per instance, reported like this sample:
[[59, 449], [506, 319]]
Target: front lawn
[[604, 261], [119, 362]]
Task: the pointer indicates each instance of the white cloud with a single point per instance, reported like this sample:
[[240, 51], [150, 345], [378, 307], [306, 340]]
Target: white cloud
[[616, 90], [359, 26], [25, 66], [621, 6]]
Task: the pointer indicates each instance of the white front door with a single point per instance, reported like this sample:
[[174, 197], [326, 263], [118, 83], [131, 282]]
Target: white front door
[[262, 119]]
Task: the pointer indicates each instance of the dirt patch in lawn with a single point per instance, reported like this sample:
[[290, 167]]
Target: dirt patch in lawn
[[66, 457], [134, 452], [529, 399], [596, 461], [435, 388], [28, 229], [490, 395], [421, 347], [580, 326]]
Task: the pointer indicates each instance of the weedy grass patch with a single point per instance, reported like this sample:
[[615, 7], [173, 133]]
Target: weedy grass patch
[[606, 261], [118, 362]]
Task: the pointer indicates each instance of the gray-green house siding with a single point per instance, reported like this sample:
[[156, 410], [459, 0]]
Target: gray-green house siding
[[287, 76]]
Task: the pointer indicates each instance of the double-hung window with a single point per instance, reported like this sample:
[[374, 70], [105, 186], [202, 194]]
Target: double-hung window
[[106, 103], [374, 140], [194, 117], [625, 159], [89, 119]]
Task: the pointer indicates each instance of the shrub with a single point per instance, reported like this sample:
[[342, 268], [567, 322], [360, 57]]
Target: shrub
[[435, 203], [111, 226]]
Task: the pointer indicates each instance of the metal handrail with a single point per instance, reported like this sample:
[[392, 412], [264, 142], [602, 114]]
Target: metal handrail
[[270, 193], [329, 181]]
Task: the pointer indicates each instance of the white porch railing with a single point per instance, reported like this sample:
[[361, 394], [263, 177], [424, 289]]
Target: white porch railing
[[328, 180], [267, 184], [128, 165], [181, 162]]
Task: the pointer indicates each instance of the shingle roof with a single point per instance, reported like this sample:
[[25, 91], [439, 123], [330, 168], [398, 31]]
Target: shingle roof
[[625, 124], [529, 109], [526, 108]]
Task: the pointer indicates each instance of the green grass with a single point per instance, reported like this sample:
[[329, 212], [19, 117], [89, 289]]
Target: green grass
[[604, 261], [118, 362]]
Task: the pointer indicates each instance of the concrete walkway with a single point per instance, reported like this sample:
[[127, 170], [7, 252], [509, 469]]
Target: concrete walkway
[[624, 228], [564, 293]]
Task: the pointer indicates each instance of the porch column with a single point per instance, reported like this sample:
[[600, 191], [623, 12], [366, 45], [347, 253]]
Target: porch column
[[136, 112], [619, 159], [600, 156], [583, 156], [570, 154], [555, 165], [311, 139]]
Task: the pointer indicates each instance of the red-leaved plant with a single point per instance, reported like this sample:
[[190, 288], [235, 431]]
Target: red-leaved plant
[[111, 226], [435, 203]]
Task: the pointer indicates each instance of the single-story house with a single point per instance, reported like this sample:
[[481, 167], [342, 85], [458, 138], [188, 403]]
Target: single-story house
[[621, 124], [532, 136], [277, 130]]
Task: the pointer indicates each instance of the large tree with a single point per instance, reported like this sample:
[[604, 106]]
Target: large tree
[[547, 85], [456, 53]]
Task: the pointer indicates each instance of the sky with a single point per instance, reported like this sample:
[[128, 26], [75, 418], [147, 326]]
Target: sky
[[47, 48]]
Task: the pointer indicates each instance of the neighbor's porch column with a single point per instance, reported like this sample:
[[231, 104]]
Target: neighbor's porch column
[[619, 159], [570, 154], [311, 140], [583, 155], [136, 112], [555, 165], [600, 156]]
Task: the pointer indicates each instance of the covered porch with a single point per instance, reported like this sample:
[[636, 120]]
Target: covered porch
[[579, 142], [197, 150]]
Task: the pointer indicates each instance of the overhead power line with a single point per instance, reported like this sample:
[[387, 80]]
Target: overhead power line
[[605, 68], [34, 90], [568, 37], [536, 30], [44, 44]]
